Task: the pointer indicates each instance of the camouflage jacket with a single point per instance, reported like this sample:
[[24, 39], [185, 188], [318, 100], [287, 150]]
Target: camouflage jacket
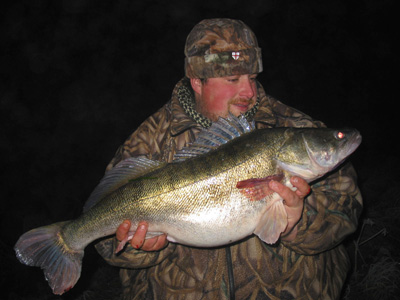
[[313, 266]]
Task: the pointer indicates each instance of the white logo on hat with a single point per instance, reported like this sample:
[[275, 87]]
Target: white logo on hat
[[235, 55]]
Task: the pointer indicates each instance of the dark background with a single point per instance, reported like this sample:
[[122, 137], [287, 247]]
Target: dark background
[[78, 76]]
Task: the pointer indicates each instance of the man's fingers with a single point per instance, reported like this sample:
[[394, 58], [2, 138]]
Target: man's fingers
[[140, 235], [286, 193], [155, 243], [303, 189], [123, 230], [139, 238], [291, 198]]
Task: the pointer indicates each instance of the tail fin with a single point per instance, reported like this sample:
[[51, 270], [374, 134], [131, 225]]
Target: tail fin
[[44, 247]]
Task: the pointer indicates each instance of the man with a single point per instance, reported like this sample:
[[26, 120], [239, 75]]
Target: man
[[221, 65]]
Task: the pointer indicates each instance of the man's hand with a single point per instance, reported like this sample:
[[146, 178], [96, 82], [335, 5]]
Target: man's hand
[[293, 201], [138, 241]]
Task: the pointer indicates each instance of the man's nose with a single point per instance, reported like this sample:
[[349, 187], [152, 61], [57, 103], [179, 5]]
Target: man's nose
[[246, 88]]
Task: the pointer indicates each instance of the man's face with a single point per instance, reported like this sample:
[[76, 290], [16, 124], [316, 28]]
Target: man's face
[[216, 97]]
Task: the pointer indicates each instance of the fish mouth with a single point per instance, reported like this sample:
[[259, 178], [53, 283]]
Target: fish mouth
[[353, 143]]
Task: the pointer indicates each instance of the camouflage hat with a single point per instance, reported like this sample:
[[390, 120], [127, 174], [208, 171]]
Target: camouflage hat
[[221, 47]]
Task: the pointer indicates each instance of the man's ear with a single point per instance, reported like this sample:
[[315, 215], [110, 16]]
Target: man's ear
[[196, 85]]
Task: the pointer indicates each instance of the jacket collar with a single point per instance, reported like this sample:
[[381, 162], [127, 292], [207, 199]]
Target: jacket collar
[[180, 121]]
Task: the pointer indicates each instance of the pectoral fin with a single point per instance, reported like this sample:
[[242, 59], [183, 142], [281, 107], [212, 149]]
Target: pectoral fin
[[257, 189], [272, 223]]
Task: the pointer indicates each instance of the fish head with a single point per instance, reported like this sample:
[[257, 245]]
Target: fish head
[[312, 152]]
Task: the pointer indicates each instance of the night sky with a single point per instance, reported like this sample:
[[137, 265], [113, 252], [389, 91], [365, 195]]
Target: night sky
[[77, 77]]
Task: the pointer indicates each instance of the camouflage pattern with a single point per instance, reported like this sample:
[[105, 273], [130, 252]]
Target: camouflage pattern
[[313, 266], [221, 47]]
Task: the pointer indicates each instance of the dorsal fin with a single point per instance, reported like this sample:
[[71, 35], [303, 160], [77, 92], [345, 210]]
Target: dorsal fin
[[218, 134], [122, 173]]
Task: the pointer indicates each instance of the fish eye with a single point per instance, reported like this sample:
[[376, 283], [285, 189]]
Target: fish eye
[[340, 135]]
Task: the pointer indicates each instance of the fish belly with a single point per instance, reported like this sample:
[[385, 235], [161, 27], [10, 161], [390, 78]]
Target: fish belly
[[214, 225]]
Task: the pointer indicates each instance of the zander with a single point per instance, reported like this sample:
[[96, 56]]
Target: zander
[[214, 193]]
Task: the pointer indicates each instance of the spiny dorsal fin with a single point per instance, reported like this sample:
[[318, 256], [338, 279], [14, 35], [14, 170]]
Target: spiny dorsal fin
[[121, 174], [218, 134]]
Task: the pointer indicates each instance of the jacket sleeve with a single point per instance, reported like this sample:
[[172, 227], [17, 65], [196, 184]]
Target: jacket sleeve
[[148, 140], [330, 213]]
